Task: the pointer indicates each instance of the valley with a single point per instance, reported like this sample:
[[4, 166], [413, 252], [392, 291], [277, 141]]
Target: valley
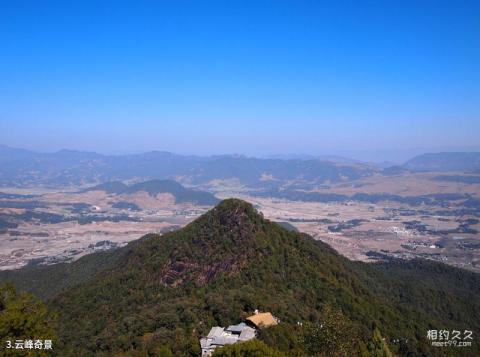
[[62, 226], [407, 215], [369, 232]]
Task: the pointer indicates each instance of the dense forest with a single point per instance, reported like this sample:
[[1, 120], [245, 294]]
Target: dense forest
[[159, 294]]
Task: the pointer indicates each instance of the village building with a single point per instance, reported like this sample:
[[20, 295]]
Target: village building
[[219, 337], [262, 320], [244, 331]]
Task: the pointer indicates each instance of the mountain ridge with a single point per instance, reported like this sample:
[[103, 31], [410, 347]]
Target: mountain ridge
[[444, 162], [154, 187], [69, 168]]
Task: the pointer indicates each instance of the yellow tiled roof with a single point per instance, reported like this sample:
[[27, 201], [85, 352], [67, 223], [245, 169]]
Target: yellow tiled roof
[[263, 319]]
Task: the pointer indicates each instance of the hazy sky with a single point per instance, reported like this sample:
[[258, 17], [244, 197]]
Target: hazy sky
[[316, 77]]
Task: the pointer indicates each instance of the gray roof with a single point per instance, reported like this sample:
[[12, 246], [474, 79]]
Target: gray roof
[[204, 343], [247, 334], [218, 336], [222, 341], [215, 332], [237, 328]]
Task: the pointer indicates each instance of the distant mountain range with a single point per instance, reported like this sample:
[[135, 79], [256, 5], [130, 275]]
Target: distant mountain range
[[71, 168], [64, 168], [445, 161], [154, 187], [169, 290]]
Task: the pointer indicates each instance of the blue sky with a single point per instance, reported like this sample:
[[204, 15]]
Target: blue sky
[[357, 78]]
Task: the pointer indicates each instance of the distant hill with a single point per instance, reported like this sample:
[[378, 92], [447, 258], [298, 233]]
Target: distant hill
[[154, 187], [394, 170], [330, 158], [116, 187], [66, 168], [167, 291], [445, 161], [469, 179]]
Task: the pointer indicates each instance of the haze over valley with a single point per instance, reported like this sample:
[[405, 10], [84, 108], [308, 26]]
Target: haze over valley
[[57, 207]]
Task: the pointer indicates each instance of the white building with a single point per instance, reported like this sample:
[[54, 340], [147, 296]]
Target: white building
[[219, 337]]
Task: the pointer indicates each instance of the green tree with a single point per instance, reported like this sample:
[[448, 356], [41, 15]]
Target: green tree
[[333, 335], [253, 348], [165, 352], [23, 317], [377, 347]]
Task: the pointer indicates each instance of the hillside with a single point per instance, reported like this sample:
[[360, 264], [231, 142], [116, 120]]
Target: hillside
[[154, 187], [445, 161], [169, 290]]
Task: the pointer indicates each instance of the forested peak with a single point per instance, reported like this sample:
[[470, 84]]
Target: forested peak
[[235, 211], [222, 241]]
